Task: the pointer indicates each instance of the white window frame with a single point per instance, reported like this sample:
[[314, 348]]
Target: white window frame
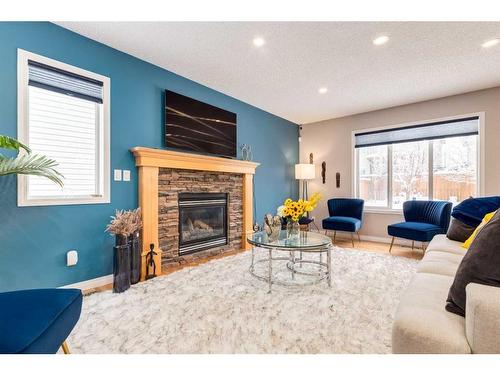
[[103, 135], [389, 209]]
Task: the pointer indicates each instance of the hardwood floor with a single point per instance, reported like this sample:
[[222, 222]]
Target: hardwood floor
[[344, 242], [378, 247]]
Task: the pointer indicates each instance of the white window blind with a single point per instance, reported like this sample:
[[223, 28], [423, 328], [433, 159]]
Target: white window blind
[[64, 115], [435, 130], [64, 128], [58, 80]]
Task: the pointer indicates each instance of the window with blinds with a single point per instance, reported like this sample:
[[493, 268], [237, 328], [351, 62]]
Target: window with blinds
[[66, 119], [434, 160]]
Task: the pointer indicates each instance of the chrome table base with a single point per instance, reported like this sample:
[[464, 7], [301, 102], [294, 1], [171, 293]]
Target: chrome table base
[[294, 265]]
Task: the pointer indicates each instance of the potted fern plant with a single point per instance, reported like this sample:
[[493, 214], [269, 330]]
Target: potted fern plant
[[26, 162]]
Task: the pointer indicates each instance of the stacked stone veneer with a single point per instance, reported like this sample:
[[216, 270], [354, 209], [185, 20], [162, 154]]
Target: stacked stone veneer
[[171, 182]]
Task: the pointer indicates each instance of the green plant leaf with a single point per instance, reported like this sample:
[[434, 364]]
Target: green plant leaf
[[29, 164], [12, 144]]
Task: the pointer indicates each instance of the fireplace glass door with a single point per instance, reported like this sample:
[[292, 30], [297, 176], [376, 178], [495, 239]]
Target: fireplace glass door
[[202, 221]]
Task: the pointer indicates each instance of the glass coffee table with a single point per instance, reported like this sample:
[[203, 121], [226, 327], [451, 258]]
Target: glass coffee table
[[307, 243]]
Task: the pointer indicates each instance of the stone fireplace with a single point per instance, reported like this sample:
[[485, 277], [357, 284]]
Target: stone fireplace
[[193, 206], [200, 213]]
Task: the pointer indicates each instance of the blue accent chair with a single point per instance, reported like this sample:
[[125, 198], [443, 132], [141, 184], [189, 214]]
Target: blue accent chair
[[423, 220], [346, 215], [38, 321]]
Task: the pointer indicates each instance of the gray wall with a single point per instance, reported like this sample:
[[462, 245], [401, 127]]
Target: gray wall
[[330, 141]]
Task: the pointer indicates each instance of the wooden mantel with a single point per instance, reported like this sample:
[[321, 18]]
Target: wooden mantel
[[150, 160]]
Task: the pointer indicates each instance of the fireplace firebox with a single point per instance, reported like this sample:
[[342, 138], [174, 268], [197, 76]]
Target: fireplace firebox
[[202, 221]]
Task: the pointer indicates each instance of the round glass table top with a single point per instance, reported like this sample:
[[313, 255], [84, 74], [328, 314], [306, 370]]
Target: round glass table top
[[305, 241]]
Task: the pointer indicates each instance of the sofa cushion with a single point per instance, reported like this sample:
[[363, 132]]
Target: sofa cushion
[[485, 221], [441, 243], [342, 223], [472, 210], [440, 262], [459, 231], [422, 325], [480, 265], [37, 320], [413, 230]]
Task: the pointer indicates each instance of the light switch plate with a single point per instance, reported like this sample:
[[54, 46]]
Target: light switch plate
[[126, 175], [118, 174]]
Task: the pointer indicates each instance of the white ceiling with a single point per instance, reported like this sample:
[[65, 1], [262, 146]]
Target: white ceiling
[[421, 61]]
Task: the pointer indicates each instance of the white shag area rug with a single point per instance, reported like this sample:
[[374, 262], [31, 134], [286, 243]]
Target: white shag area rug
[[218, 307]]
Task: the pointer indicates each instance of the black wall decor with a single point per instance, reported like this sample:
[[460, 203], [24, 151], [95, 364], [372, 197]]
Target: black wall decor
[[199, 127], [150, 262], [337, 178], [323, 171]]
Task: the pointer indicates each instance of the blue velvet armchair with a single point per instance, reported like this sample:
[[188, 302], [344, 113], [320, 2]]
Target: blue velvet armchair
[[346, 215], [38, 321], [423, 220]]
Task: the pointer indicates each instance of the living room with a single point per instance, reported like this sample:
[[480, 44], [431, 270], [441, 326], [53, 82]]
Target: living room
[[324, 188]]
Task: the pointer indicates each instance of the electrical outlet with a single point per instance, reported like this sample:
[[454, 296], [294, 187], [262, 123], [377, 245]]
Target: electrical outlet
[[118, 174], [71, 258], [126, 175]]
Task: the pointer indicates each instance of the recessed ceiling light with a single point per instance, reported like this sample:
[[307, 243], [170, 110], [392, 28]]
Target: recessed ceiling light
[[258, 42], [383, 39], [490, 43], [322, 90]]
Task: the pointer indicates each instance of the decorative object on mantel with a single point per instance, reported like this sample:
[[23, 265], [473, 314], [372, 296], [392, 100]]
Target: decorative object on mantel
[[272, 226], [125, 227], [246, 152], [150, 262], [323, 171], [292, 211]]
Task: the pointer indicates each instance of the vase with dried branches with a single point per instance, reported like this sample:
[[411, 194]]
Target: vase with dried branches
[[125, 226]]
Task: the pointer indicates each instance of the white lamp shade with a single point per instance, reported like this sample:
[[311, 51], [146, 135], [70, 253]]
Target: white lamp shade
[[305, 171]]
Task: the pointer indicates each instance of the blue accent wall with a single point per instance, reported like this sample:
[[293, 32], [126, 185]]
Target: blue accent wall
[[34, 240]]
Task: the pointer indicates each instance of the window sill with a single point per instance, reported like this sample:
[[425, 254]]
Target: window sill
[[62, 202], [383, 211]]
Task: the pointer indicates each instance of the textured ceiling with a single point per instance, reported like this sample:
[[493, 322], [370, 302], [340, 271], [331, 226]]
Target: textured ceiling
[[421, 61]]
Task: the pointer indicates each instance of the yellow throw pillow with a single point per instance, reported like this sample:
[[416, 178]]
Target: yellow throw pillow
[[486, 218]]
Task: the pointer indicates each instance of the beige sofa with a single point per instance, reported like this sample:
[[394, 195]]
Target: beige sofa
[[422, 325]]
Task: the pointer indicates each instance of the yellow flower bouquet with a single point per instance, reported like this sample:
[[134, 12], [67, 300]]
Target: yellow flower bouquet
[[293, 210]]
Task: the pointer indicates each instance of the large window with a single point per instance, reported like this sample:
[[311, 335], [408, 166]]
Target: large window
[[429, 161], [64, 115]]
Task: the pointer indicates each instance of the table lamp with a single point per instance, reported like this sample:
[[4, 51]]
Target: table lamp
[[305, 172]]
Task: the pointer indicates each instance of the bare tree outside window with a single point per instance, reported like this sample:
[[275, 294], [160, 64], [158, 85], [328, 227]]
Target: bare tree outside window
[[410, 171], [454, 171], [373, 174]]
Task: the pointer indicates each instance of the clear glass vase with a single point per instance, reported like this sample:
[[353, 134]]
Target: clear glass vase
[[293, 230]]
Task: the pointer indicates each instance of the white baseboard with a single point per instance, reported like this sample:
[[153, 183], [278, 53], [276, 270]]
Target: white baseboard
[[92, 283]]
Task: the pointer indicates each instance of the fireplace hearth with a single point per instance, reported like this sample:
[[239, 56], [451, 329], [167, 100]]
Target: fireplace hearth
[[203, 221]]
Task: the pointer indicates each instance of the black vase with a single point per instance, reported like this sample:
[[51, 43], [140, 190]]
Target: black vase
[[121, 264], [135, 258]]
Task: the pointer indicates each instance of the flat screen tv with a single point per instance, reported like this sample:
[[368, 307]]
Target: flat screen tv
[[191, 125]]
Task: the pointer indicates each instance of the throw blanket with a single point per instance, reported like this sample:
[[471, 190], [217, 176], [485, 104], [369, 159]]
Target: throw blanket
[[472, 210]]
